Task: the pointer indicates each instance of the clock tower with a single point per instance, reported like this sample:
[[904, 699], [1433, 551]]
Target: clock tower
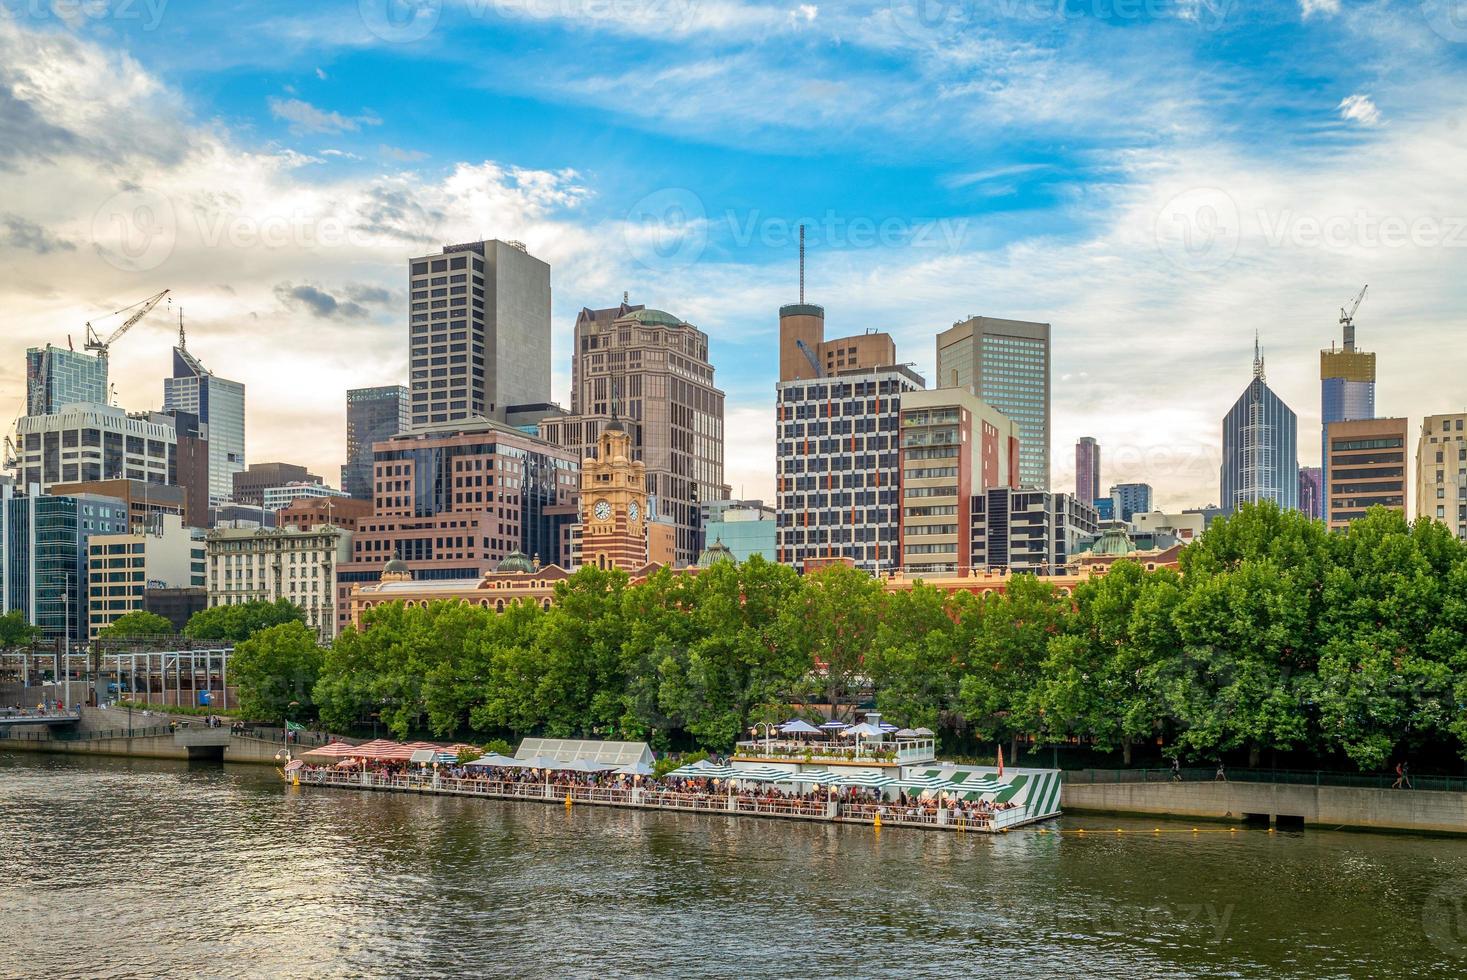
[[614, 503]]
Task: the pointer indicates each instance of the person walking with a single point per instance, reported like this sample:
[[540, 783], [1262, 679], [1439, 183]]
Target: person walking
[[1176, 769], [1222, 775]]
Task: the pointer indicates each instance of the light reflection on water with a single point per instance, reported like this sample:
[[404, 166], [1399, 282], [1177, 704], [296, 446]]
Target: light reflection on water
[[128, 868]]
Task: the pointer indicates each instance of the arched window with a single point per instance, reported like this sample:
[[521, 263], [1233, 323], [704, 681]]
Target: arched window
[[499, 605]]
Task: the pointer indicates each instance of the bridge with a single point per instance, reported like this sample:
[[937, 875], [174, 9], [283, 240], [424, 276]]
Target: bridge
[[51, 719]]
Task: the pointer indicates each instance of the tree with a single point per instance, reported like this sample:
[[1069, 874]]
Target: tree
[[233, 624], [138, 623], [915, 663], [15, 631], [276, 671], [833, 620]]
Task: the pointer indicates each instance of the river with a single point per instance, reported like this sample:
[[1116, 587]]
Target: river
[[131, 868]]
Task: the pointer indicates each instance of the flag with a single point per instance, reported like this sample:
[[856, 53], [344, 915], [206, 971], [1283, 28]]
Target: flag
[[1000, 760], [291, 726]]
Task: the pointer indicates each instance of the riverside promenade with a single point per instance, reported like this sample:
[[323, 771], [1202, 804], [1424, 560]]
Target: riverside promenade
[[884, 814]]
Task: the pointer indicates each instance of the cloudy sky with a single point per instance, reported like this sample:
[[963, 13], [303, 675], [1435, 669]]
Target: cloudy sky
[[1159, 179]]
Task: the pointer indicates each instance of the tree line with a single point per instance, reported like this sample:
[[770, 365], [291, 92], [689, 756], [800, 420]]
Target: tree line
[[1277, 635]]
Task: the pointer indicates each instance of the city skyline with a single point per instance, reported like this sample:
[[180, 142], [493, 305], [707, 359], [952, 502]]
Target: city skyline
[[332, 187]]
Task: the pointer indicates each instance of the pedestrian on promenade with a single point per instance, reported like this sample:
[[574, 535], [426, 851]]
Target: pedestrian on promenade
[[1222, 775], [1176, 769], [1403, 776]]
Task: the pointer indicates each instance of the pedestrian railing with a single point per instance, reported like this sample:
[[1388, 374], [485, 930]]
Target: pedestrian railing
[[71, 736], [1285, 777]]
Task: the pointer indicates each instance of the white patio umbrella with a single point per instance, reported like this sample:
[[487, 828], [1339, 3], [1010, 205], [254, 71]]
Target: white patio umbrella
[[586, 765], [798, 727], [495, 761], [816, 777], [635, 769]]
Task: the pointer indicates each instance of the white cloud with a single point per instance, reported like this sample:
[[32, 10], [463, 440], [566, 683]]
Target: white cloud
[[1325, 8], [306, 118], [1360, 109]]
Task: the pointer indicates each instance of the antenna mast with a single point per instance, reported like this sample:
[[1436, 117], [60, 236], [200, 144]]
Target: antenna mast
[[802, 264]]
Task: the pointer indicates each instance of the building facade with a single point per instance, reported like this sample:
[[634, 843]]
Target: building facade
[[1441, 471], [219, 406], [45, 546], [307, 512], [1130, 499], [86, 443], [1311, 491], [1260, 447], [248, 486], [805, 353], [55, 378], [121, 568], [146, 502], [451, 502], [838, 467], [1087, 468], [1007, 364], [953, 447], [651, 370], [1346, 389], [746, 527], [372, 415], [248, 564], [1366, 468], [478, 332], [1029, 530], [277, 497]]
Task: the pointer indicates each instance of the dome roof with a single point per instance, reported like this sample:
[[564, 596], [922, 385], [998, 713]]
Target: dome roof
[[1113, 542], [396, 570], [515, 561], [655, 318], [715, 552]]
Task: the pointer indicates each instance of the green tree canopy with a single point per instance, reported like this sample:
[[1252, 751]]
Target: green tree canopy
[[137, 623], [15, 631], [276, 672], [233, 624]]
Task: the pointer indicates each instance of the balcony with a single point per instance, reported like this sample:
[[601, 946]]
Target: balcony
[[895, 752]]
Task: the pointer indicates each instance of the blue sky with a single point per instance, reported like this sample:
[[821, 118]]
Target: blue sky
[[1156, 178]]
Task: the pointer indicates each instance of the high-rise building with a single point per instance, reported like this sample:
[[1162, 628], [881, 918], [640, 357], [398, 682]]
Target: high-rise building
[[1005, 363], [1346, 386], [805, 353], [614, 526], [303, 567], [452, 501], [479, 332], [248, 485], [121, 568], [1260, 447], [1441, 471], [1028, 530], [55, 378], [1311, 491], [44, 549], [1130, 499], [838, 467], [146, 502], [650, 369], [277, 497], [372, 415], [1366, 467], [220, 407], [87, 442], [953, 448], [1087, 468], [193, 466]]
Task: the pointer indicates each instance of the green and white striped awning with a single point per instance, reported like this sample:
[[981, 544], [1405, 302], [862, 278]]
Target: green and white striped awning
[[816, 777], [703, 770], [933, 783], [867, 780], [765, 774]]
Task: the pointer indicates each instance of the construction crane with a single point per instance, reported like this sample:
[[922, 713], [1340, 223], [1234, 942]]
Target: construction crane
[[1347, 320], [810, 356], [139, 310]]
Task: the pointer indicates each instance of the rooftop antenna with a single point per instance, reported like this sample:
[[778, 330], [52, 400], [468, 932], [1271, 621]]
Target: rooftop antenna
[[182, 343], [625, 297], [1257, 359], [802, 264]]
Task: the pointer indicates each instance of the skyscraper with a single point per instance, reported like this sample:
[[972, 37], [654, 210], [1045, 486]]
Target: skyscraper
[[1311, 491], [372, 415], [1005, 363], [1087, 469], [1130, 499], [1366, 468], [651, 370], [56, 377], [1260, 447], [220, 407], [1346, 385], [1441, 471], [479, 332]]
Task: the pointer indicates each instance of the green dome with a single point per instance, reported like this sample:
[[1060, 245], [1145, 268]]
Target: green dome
[[396, 566], [515, 561], [715, 552], [1113, 542], [655, 318]]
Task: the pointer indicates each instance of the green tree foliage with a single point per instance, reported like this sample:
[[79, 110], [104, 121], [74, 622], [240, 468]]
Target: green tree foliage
[[276, 671], [15, 631], [1276, 636], [233, 624], [137, 623]]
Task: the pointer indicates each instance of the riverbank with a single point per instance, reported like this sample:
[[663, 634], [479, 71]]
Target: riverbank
[[1356, 808], [653, 798]]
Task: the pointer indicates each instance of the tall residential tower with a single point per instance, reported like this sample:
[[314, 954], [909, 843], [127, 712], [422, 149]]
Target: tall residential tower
[[1260, 447]]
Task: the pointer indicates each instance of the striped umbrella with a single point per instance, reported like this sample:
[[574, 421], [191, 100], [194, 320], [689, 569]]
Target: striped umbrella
[[974, 784], [816, 777], [704, 770], [868, 780], [765, 774], [933, 783]]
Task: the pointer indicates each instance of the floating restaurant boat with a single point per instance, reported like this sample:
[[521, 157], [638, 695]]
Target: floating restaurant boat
[[884, 769]]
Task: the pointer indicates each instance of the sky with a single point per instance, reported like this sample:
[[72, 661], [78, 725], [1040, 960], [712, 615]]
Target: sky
[[1161, 180]]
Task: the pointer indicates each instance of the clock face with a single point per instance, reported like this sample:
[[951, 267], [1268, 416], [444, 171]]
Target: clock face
[[632, 510], [603, 510]]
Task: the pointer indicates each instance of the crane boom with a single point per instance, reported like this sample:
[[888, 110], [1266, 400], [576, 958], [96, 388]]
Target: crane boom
[[140, 310]]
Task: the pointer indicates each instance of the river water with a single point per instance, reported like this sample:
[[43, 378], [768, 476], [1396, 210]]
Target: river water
[[130, 868]]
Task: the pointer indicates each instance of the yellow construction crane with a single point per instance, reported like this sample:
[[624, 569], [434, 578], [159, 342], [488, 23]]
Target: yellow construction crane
[[1347, 319], [138, 311]]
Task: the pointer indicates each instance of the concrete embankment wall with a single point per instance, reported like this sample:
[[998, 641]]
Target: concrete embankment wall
[[191, 742], [1323, 806]]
